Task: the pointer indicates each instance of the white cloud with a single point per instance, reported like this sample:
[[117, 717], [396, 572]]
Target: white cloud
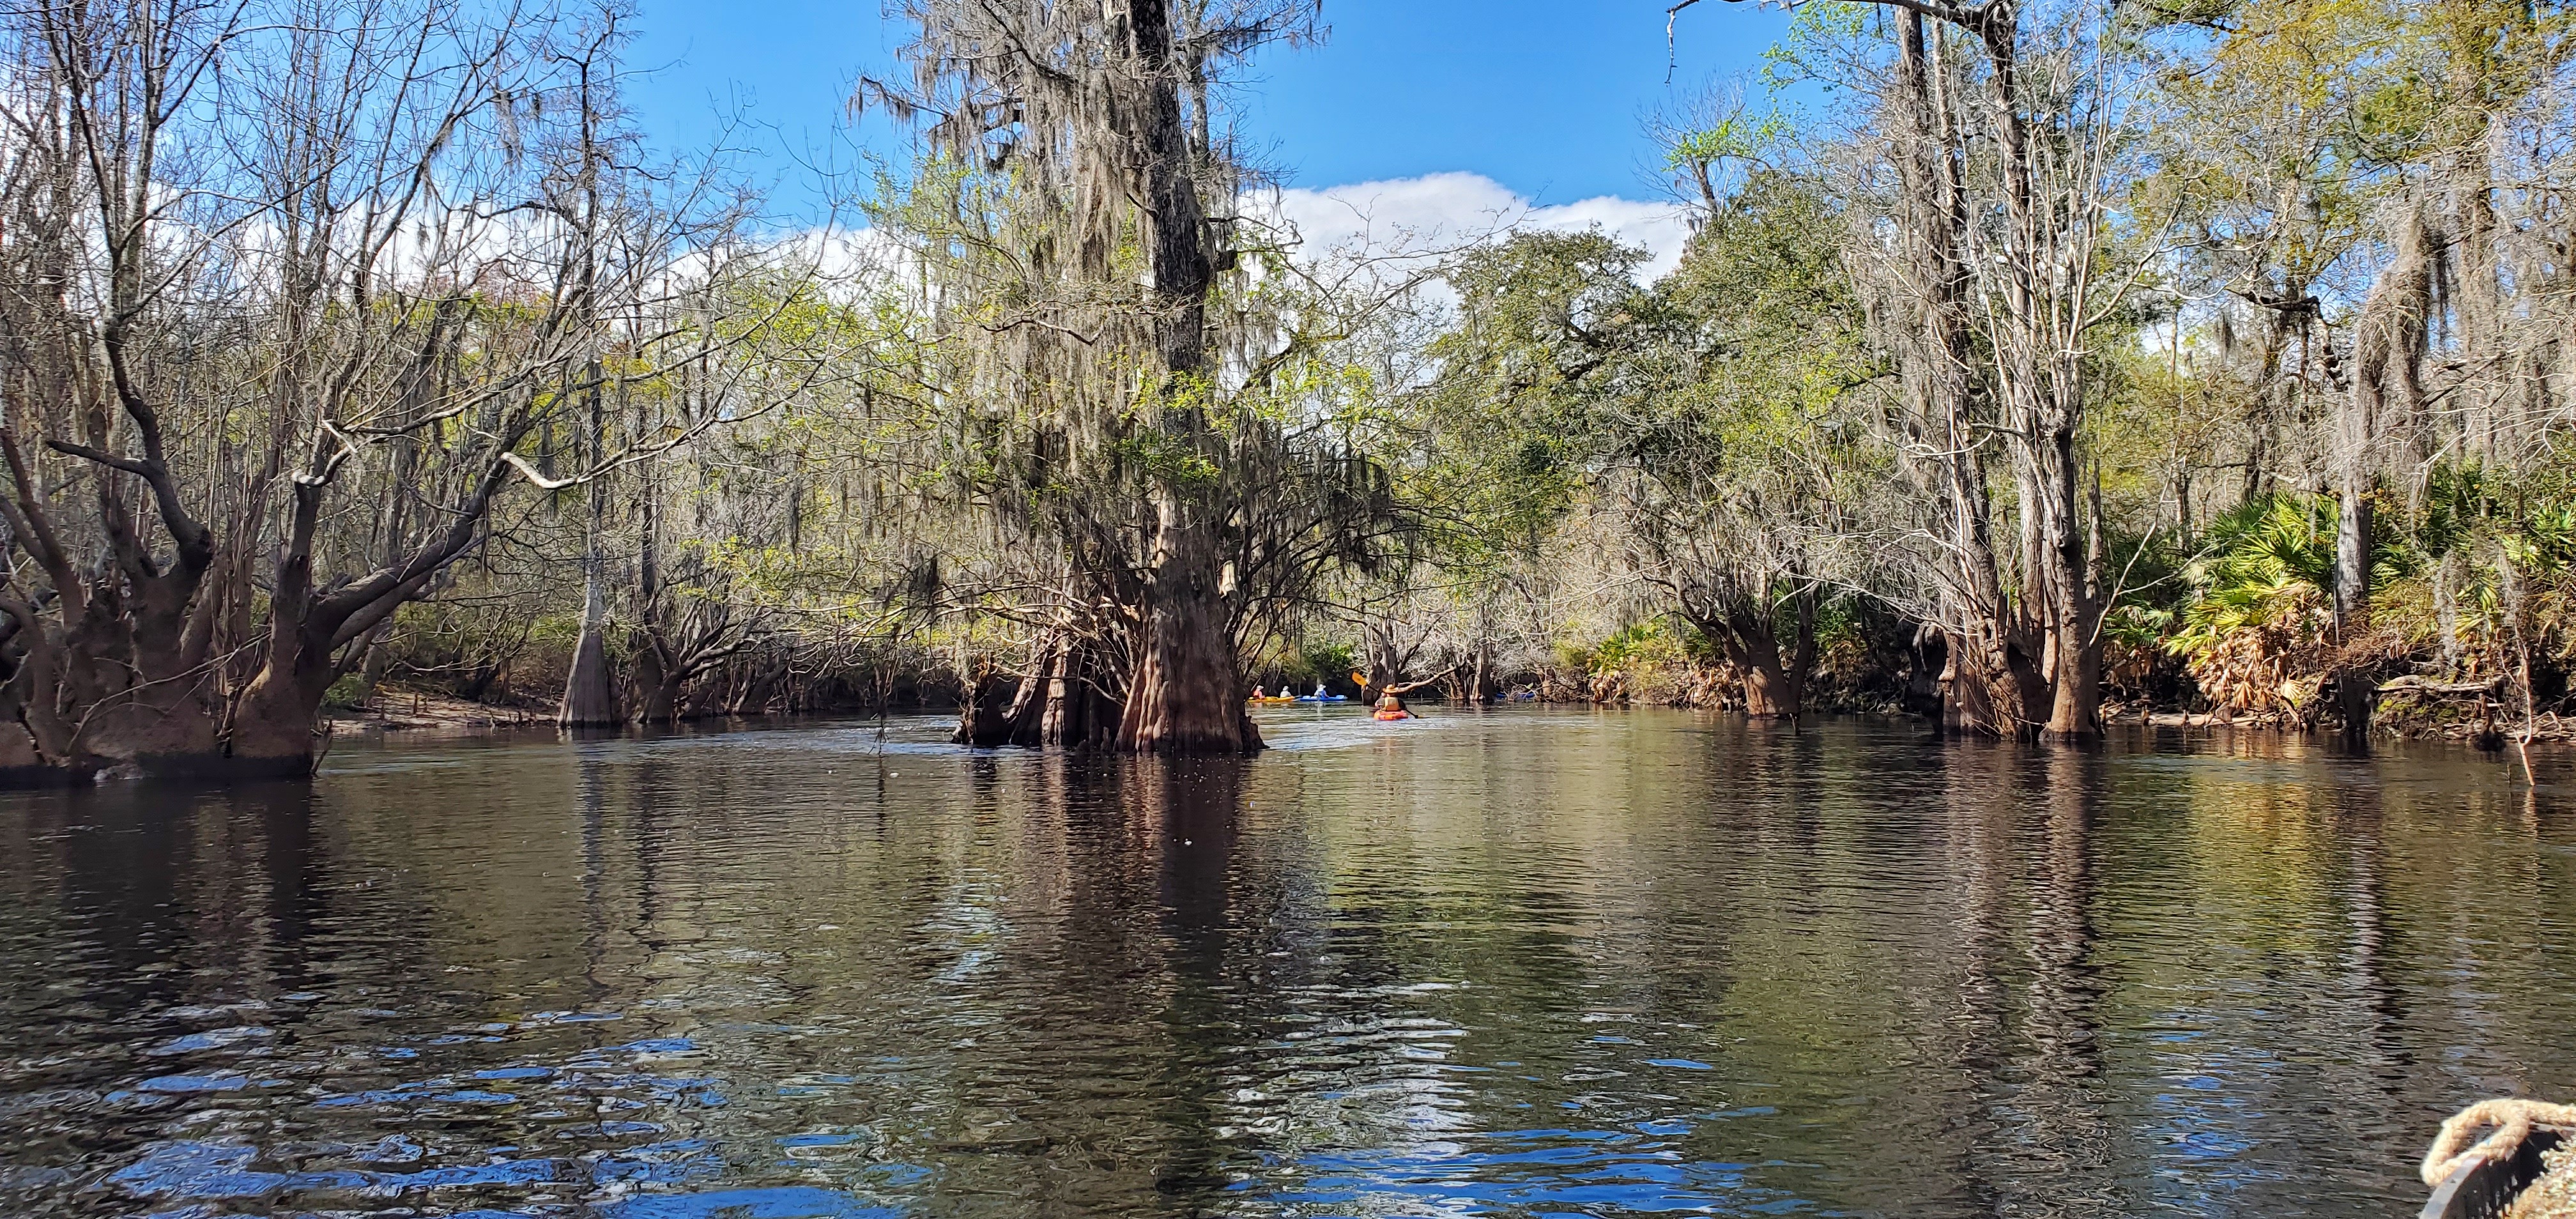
[[848, 255], [1448, 210], [1402, 223]]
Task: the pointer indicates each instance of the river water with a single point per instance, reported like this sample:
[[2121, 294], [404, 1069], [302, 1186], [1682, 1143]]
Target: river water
[[1519, 963]]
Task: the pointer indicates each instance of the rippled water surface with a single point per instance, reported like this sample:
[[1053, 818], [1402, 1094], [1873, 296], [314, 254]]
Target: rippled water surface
[[1527, 963]]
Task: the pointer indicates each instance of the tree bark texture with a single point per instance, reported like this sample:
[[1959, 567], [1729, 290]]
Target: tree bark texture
[[1187, 696], [1773, 677]]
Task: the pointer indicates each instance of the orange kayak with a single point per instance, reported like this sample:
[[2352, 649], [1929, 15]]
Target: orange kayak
[[1395, 715]]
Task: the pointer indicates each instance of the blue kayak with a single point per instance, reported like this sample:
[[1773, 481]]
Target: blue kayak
[[1322, 698]]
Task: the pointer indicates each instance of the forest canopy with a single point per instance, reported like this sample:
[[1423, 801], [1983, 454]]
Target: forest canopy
[[2028, 365]]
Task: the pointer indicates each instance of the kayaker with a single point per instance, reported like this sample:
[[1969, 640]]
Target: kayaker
[[1256, 694], [1390, 699], [1320, 694]]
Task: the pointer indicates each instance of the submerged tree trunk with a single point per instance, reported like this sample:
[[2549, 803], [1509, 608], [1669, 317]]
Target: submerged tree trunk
[[1769, 690], [273, 727], [984, 721], [1480, 673], [590, 691], [659, 675], [309, 629], [1774, 678], [2075, 703], [1027, 712], [1000, 711], [1077, 712], [1993, 684], [2075, 604]]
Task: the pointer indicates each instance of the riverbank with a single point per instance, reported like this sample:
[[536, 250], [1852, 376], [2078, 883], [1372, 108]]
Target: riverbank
[[2404, 722], [398, 708], [402, 709], [2405, 707], [417, 712]]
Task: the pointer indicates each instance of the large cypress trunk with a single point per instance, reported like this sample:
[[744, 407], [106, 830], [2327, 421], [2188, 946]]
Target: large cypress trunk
[[2075, 704], [310, 630], [1480, 673], [1768, 691], [1186, 697], [590, 690], [1774, 679], [273, 728], [114, 695], [1993, 685]]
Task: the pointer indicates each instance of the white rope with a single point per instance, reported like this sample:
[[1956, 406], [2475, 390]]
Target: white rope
[[2513, 1120]]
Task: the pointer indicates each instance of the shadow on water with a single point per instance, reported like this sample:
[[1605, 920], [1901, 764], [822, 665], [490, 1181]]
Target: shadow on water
[[1518, 963]]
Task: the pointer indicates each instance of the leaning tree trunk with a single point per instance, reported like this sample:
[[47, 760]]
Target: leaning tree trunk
[[309, 629]]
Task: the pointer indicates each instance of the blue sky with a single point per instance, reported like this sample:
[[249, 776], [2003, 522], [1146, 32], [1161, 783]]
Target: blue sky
[[1540, 98]]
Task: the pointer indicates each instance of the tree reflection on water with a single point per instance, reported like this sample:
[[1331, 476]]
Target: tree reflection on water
[[1519, 963]]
